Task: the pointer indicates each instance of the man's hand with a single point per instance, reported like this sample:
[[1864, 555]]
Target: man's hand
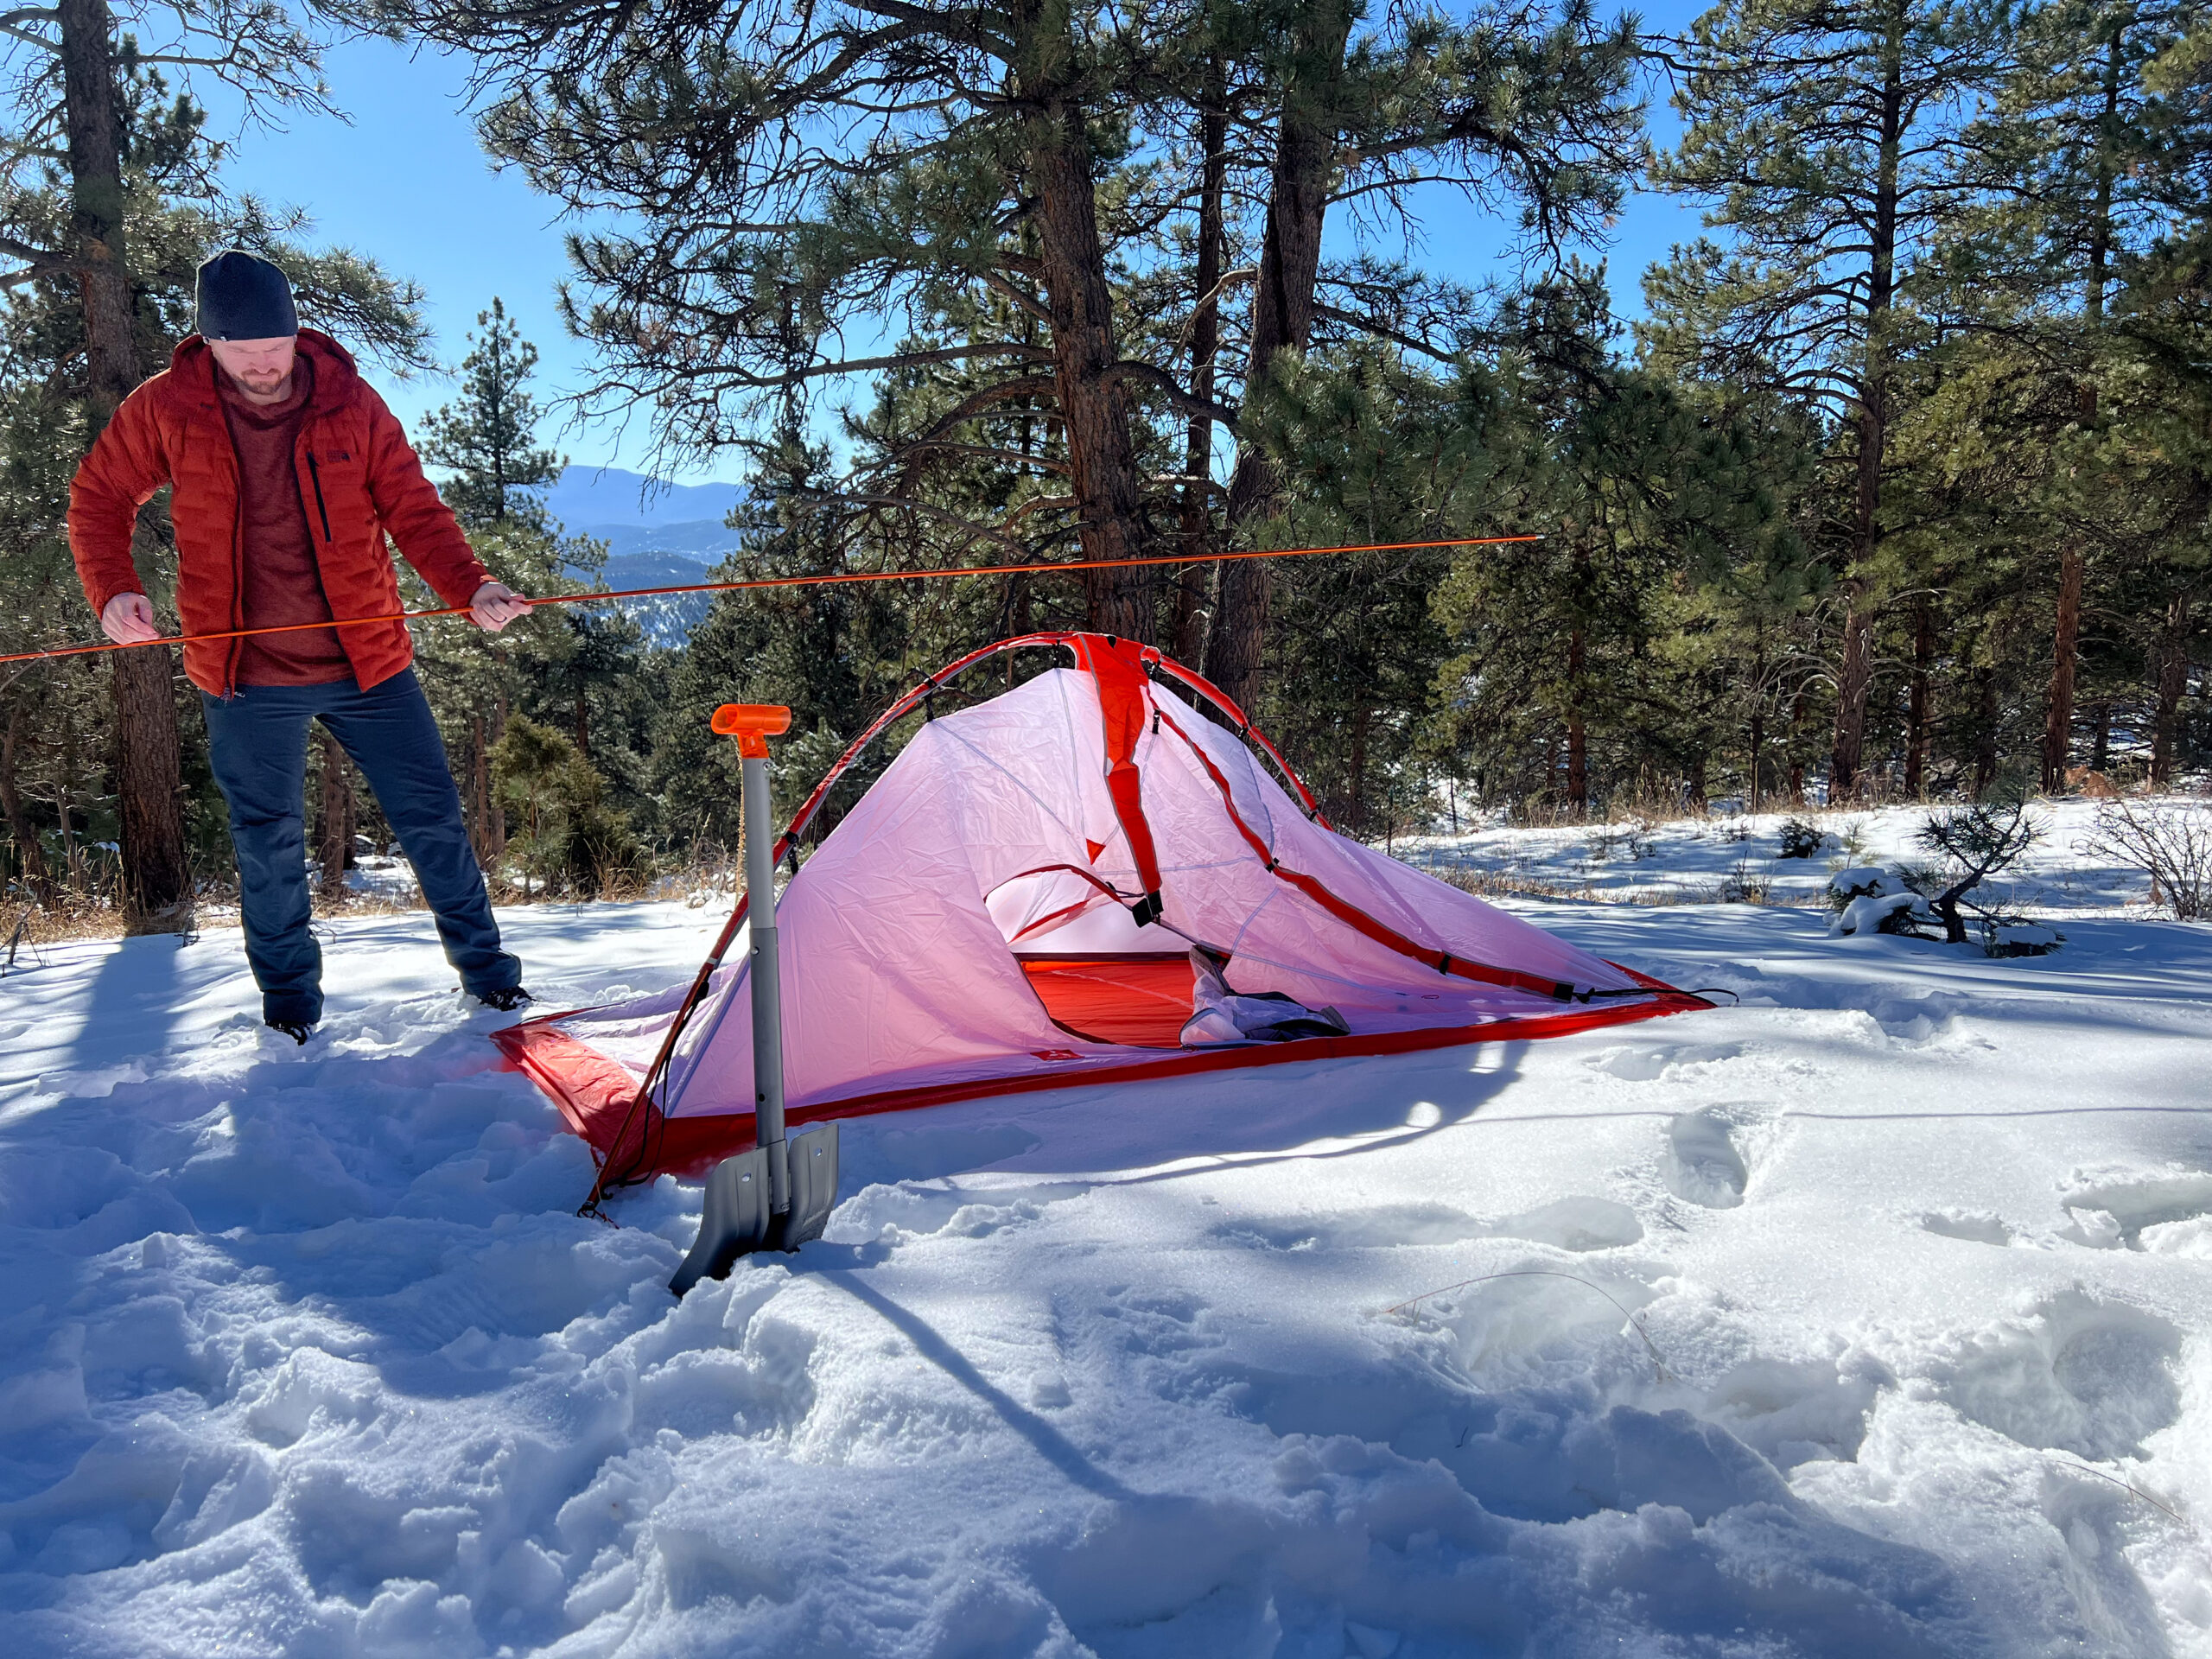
[[129, 619], [495, 606]]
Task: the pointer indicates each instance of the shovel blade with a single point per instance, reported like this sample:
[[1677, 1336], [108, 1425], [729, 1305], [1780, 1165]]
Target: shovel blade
[[737, 1220], [814, 1186]]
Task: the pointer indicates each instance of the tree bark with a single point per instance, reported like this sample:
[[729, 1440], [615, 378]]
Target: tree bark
[[1094, 409], [1855, 679], [1796, 755], [2058, 706], [1758, 745], [2173, 681], [1356, 812], [479, 789], [333, 816], [1920, 707], [1991, 718], [29, 852], [1578, 729], [157, 874], [1197, 529], [1282, 320], [495, 837]]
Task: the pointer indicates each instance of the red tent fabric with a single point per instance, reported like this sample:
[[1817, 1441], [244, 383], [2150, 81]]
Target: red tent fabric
[[1013, 906]]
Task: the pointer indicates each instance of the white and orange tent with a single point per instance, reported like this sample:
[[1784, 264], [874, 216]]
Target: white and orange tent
[[1013, 904]]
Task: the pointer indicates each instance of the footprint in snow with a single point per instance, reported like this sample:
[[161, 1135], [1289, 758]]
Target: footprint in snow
[[2079, 1374], [1973, 1226], [1577, 1222], [2168, 1214], [1635, 1064], [1701, 1163]]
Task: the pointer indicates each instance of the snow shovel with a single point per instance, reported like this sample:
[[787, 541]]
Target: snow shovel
[[778, 1195]]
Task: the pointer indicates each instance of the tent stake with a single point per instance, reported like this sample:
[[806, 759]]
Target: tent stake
[[778, 1195]]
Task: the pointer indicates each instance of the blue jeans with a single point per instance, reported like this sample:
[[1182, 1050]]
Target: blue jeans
[[258, 743]]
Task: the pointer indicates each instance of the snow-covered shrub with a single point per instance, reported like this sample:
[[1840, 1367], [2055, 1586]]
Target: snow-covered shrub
[[1870, 900], [1802, 838], [2171, 842], [1736, 830], [1860, 881]]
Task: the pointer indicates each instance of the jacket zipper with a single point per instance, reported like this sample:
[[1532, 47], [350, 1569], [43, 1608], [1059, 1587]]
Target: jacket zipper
[[314, 476]]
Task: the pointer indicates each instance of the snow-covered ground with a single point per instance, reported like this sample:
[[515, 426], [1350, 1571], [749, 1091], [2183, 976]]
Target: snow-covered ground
[[1870, 1317], [1695, 859]]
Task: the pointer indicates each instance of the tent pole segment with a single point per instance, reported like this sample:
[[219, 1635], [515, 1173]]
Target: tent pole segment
[[778, 1195]]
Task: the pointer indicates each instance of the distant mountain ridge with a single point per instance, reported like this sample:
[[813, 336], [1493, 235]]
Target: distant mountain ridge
[[657, 535], [598, 498], [703, 539]]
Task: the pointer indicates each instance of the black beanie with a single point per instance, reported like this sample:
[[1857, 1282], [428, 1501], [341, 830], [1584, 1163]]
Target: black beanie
[[243, 297]]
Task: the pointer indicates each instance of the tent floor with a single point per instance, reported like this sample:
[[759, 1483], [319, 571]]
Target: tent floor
[[1135, 1000]]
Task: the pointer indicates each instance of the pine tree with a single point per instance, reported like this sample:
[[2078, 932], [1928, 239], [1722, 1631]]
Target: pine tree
[[2080, 150], [1512, 108], [488, 439], [1827, 139]]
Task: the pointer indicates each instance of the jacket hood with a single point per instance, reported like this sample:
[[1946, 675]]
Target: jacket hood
[[337, 380]]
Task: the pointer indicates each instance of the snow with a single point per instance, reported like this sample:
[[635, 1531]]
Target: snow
[[1869, 1315], [1693, 859]]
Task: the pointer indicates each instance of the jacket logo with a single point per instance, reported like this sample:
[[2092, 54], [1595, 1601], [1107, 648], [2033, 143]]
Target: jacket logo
[[336, 454]]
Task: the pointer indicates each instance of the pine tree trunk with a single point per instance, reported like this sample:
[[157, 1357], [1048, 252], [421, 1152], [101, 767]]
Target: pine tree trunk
[[2173, 681], [1578, 730], [1283, 321], [29, 853], [496, 817], [1796, 755], [333, 816], [1356, 814], [1854, 682], [1094, 409], [1920, 709], [2058, 706], [157, 874], [1193, 581], [1758, 745], [479, 789], [1991, 718], [1855, 679]]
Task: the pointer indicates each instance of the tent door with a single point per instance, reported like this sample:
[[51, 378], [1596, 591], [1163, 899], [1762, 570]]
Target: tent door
[[1137, 1000]]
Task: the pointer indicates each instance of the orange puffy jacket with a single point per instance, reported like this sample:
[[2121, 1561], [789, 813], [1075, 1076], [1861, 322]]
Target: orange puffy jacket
[[357, 478]]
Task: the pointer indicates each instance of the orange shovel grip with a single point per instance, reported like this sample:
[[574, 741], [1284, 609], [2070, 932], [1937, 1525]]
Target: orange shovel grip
[[752, 724]]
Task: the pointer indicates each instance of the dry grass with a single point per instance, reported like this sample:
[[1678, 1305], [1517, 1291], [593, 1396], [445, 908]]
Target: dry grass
[[1507, 884]]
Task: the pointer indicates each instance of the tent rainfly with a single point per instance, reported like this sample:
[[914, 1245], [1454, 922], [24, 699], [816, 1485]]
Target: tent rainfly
[[1083, 880]]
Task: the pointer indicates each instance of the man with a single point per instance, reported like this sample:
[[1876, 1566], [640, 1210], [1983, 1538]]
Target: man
[[289, 471]]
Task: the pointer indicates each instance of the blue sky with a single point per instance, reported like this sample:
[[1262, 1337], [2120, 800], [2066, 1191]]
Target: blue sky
[[406, 181]]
